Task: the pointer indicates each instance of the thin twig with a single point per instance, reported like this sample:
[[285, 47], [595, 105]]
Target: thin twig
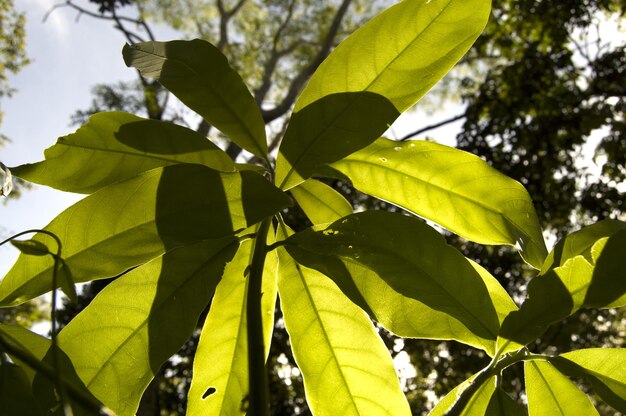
[[432, 127]]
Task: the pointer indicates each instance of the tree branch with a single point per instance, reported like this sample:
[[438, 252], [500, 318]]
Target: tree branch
[[306, 72], [432, 127]]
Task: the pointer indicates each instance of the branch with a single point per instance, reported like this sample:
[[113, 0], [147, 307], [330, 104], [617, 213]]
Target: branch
[[306, 72], [432, 127]]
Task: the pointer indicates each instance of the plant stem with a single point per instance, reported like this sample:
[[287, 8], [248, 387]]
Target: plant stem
[[258, 395]]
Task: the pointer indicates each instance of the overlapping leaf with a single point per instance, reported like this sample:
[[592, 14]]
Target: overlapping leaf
[[502, 404], [137, 322], [220, 373], [451, 187], [321, 203], [375, 74], [200, 76], [402, 272], [589, 272], [116, 146], [131, 222], [550, 393], [477, 404], [602, 367], [345, 366], [37, 385]]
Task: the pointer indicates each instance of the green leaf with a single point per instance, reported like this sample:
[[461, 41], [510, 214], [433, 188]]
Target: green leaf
[[346, 367], [402, 272], [321, 203], [199, 75], [580, 243], [378, 72], [16, 395], [477, 405], [39, 350], [31, 247], [116, 146], [550, 393], [220, 367], [592, 276], [603, 367], [451, 187], [137, 322], [66, 282], [502, 404], [131, 222]]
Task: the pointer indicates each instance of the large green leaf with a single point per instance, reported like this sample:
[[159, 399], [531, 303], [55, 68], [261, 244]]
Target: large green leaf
[[346, 367], [378, 72], [402, 272], [220, 368], [451, 187], [137, 322], [41, 385], [131, 222], [321, 203], [550, 393], [115, 146], [593, 277], [200, 76], [603, 367], [477, 405]]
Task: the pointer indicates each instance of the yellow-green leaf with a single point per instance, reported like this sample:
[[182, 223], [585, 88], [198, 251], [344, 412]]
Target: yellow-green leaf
[[346, 367], [201, 77], [477, 404], [550, 393], [137, 322], [321, 203], [378, 258], [602, 367], [116, 146], [378, 72], [220, 367], [131, 222], [453, 188]]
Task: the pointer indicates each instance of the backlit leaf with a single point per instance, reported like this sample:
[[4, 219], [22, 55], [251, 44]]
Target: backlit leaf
[[346, 367], [451, 187], [220, 367], [31, 247], [378, 258], [42, 388], [16, 395], [321, 203], [378, 72], [550, 393], [131, 222], [201, 77], [138, 321], [502, 404], [585, 275], [602, 367], [116, 146], [478, 403]]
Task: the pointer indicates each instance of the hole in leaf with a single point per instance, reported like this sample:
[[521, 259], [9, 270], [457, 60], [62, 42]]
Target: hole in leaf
[[209, 392]]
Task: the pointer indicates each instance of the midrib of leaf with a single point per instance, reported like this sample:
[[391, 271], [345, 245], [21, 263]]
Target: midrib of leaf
[[241, 329], [127, 153], [322, 202], [444, 189], [348, 105], [326, 337], [556, 401], [451, 295], [225, 103], [152, 312]]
